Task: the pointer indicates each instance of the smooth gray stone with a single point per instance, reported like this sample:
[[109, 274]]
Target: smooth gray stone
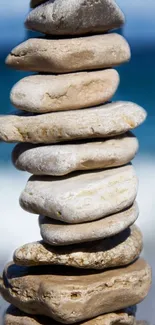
[[98, 122], [72, 54], [81, 197], [57, 233], [50, 93], [59, 160], [72, 17]]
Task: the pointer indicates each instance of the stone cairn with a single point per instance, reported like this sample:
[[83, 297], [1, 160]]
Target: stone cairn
[[78, 146]]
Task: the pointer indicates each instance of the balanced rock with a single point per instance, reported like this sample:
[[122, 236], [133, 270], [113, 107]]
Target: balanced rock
[[72, 295], [68, 55], [47, 93], [81, 197], [16, 317], [103, 121], [58, 160], [35, 3], [72, 17], [112, 252], [57, 233]]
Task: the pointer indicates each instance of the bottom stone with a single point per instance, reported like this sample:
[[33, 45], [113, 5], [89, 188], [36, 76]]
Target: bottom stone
[[70, 295], [15, 317]]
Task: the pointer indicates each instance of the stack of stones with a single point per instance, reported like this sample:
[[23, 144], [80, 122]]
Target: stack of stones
[[87, 269]]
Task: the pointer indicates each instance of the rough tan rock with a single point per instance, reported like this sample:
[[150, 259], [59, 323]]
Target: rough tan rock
[[35, 3], [57, 233], [81, 197], [103, 121], [48, 93], [15, 317], [78, 295], [72, 17], [58, 160], [59, 56], [112, 252]]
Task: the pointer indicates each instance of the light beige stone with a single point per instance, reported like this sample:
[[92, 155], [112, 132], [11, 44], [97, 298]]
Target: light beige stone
[[103, 121], [81, 197], [70, 295], [57, 233], [112, 252], [58, 160], [72, 17], [48, 93], [15, 317], [67, 55], [35, 3]]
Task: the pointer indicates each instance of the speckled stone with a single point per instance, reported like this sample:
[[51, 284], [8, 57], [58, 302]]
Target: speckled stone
[[48, 93], [103, 121], [81, 197], [59, 160], [112, 252], [72, 17], [15, 317], [59, 56], [57, 233], [71, 295]]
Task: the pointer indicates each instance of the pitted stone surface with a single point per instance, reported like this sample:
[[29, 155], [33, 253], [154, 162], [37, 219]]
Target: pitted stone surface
[[102, 121], [59, 56], [72, 17], [48, 93], [112, 252], [58, 160], [81, 197], [71, 295], [57, 233], [16, 317]]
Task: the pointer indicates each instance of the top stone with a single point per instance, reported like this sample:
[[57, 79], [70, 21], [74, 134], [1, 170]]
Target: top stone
[[72, 17], [35, 3]]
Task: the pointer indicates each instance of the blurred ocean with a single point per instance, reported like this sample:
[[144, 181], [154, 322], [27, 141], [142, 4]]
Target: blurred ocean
[[137, 84]]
